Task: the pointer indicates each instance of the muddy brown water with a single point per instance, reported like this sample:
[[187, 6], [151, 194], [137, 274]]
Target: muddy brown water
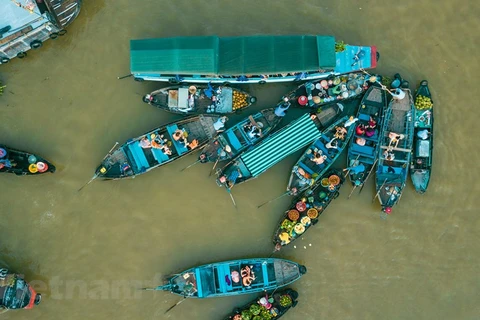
[[88, 251]]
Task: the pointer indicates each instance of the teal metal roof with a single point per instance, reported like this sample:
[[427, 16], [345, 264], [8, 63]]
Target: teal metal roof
[[212, 55], [290, 139]]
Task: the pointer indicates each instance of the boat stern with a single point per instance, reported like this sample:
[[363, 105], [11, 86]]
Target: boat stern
[[355, 58]]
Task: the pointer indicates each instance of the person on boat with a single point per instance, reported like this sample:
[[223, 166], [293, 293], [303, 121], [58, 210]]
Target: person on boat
[[395, 139], [219, 125], [360, 141], [372, 123], [360, 129], [281, 110], [253, 131], [319, 158], [398, 94], [235, 276], [265, 303], [355, 169], [340, 133], [6, 163], [423, 134], [192, 145], [145, 143], [248, 276], [179, 135], [369, 131], [350, 121], [389, 156], [332, 144]]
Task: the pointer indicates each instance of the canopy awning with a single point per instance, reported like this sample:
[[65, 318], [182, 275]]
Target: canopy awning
[[280, 145], [212, 55]]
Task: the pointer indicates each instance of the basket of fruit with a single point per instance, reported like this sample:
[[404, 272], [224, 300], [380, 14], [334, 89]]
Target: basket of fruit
[[293, 215], [312, 213], [423, 102], [334, 179]]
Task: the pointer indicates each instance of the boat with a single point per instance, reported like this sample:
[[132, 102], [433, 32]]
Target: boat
[[240, 137], [158, 147], [233, 278], [364, 146], [421, 164], [320, 155], [200, 99], [253, 162], [272, 306], [306, 208], [26, 24], [246, 59], [395, 150], [16, 293], [314, 94], [23, 163]]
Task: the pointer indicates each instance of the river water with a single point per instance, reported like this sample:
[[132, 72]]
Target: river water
[[88, 251]]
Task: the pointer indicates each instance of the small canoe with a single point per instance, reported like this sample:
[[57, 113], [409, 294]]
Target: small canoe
[[267, 307], [305, 209], [320, 155], [395, 151], [23, 163], [240, 137], [16, 293], [158, 147], [421, 164], [314, 94], [365, 144], [197, 99], [232, 278]]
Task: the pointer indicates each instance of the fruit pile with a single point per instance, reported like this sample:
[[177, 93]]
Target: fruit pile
[[239, 100], [423, 103]]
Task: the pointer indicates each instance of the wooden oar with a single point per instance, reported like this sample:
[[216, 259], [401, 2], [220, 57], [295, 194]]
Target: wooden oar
[[282, 195], [348, 171], [123, 77], [191, 165], [379, 189], [214, 165], [368, 175], [176, 304], [231, 197], [354, 187], [96, 175]]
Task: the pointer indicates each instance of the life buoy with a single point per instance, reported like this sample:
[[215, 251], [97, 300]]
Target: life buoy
[[4, 59], [62, 32], [21, 54], [35, 44], [53, 35]]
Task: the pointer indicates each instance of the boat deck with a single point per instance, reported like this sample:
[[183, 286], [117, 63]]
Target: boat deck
[[64, 11]]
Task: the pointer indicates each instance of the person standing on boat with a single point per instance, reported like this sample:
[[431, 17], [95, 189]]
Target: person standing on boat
[[281, 110], [398, 94]]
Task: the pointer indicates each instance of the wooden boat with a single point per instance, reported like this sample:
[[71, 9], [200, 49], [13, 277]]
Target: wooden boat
[[267, 307], [232, 278], [23, 163], [314, 94], [320, 155], [305, 209], [395, 151], [246, 59], [421, 164], [200, 99], [16, 293], [131, 159], [240, 137], [364, 146]]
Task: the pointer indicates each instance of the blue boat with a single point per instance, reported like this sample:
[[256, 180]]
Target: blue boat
[[25, 25], [247, 59], [395, 151], [421, 164], [365, 144], [157, 147], [241, 136], [319, 156], [233, 278], [270, 151], [16, 293]]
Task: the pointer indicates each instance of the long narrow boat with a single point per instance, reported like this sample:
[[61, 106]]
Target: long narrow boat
[[395, 151], [365, 144], [241, 136], [421, 164], [232, 278], [253, 162], [25, 25], [314, 94], [319, 156], [157, 147], [16, 293], [23, 163], [200, 99], [247, 59], [305, 209], [267, 307]]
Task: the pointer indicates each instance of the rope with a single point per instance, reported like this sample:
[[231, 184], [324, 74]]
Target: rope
[[381, 84]]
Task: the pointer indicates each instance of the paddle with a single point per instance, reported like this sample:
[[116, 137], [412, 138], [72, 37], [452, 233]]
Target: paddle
[[191, 165], [176, 304], [282, 195], [368, 175], [379, 189], [96, 175], [231, 196], [354, 187], [123, 77]]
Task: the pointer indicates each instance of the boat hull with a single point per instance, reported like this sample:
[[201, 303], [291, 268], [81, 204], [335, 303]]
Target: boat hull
[[24, 163], [16, 293]]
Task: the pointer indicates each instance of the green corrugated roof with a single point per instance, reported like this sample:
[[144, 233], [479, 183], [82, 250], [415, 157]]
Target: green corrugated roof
[[280, 145], [212, 55]]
